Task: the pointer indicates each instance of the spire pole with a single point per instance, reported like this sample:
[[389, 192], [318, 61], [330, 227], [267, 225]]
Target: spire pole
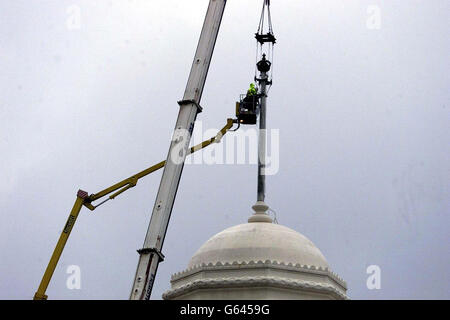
[[265, 42], [262, 132]]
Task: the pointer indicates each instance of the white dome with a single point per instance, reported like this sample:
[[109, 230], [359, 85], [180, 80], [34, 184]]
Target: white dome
[[259, 241], [257, 260]]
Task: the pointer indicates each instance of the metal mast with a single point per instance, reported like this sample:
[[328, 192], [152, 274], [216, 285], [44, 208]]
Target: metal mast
[[150, 254], [263, 79], [265, 42]]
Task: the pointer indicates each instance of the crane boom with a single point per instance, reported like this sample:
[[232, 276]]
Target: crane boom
[[150, 255], [84, 199]]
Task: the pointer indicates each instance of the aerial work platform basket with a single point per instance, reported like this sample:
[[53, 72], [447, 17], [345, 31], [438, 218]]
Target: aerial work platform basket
[[247, 109]]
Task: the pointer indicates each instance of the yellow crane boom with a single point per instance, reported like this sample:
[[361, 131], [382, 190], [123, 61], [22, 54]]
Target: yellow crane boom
[[84, 199]]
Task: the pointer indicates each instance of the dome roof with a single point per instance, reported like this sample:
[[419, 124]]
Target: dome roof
[[259, 241], [254, 261]]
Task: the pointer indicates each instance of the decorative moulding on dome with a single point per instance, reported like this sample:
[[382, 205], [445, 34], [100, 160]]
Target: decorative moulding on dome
[[259, 264], [254, 282]]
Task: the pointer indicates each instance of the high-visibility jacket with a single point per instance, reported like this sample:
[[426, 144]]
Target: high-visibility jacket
[[252, 91]]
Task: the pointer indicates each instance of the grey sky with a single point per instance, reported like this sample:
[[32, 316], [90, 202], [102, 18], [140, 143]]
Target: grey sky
[[363, 117]]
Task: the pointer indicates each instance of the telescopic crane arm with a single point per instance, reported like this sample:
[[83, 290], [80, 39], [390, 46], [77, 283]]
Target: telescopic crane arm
[[150, 254]]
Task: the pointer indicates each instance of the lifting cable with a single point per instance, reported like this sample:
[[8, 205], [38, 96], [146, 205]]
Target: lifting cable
[[265, 39]]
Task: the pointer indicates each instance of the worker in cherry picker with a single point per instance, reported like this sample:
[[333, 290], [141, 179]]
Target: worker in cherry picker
[[252, 90], [250, 99]]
